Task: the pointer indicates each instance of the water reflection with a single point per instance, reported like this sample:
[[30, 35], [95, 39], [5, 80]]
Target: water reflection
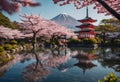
[[64, 60], [44, 61], [85, 60], [111, 58], [34, 72]]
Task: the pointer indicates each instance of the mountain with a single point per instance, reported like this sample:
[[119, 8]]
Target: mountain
[[66, 20]]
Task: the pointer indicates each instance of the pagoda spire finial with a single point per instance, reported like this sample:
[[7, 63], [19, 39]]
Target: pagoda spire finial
[[86, 12]]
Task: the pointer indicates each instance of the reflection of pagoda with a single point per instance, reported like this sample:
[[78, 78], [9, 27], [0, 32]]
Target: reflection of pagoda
[[85, 61], [87, 28], [84, 65]]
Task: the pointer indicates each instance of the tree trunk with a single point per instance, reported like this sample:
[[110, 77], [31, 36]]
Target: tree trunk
[[34, 42], [38, 62], [109, 9]]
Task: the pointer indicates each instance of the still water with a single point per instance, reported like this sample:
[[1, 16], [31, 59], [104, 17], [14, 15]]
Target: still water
[[63, 65]]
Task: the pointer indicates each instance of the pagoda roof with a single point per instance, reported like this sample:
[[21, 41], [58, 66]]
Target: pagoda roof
[[87, 19], [85, 65], [86, 25]]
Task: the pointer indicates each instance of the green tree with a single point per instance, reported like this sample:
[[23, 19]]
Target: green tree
[[5, 21], [16, 25], [113, 22], [107, 25], [110, 21]]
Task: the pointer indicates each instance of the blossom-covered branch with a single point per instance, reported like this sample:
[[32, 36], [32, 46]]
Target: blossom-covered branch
[[12, 6], [103, 6]]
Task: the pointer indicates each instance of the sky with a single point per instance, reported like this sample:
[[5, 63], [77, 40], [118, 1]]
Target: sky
[[49, 10]]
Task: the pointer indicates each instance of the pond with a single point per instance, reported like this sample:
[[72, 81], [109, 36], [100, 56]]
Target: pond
[[63, 65]]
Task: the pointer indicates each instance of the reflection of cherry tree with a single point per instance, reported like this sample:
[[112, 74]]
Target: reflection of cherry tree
[[11, 6], [34, 72], [17, 58], [55, 60], [40, 69]]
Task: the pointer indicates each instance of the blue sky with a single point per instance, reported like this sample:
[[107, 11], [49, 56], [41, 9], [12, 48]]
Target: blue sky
[[49, 10]]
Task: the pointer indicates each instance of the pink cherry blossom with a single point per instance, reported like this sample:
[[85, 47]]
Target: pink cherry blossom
[[12, 6], [41, 26], [103, 6], [9, 33]]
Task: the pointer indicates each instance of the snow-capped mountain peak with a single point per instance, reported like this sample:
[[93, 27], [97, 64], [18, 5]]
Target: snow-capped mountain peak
[[66, 20]]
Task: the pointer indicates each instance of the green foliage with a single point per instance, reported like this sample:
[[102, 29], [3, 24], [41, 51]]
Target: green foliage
[[74, 41], [22, 43], [89, 41], [113, 22], [7, 47], [28, 46], [1, 49], [110, 21], [55, 40], [5, 59], [107, 28], [2, 53], [108, 25], [7, 23], [117, 41], [110, 78], [14, 46], [15, 24], [2, 56], [13, 42], [99, 40]]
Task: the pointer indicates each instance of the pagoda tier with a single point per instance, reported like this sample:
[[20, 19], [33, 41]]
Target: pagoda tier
[[87, 19], [86, 25], [87, 29], [86, 35]]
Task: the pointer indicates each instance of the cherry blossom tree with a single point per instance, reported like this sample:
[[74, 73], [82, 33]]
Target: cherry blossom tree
[[8, 33], [103, 6], [38, 26], [56, 32], [33, 25], [12, 6], [36, 71]]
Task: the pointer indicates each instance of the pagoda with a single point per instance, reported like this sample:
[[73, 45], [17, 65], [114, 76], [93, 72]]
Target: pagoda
[[87, 29], [85, 61]]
